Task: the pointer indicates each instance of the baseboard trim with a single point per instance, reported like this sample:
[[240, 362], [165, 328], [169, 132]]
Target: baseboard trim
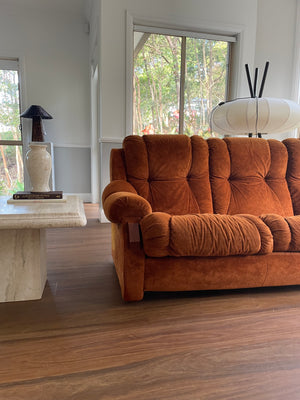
[[103, 218]]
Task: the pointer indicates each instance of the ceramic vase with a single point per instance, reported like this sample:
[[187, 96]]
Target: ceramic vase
[[39, 164]]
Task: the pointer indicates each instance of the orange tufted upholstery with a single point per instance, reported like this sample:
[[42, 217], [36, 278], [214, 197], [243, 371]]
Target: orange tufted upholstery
[[293, 171], [285, 231], [204, 235], [170, 171], [212, 214], [249, 176]]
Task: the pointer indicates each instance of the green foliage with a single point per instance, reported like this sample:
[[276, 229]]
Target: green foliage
[[157, 84]]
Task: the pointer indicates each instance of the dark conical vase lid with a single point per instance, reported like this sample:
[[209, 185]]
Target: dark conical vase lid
[[36, 111]]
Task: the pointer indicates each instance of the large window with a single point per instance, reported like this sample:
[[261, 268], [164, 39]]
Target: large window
[[11, 160], [178, 79]]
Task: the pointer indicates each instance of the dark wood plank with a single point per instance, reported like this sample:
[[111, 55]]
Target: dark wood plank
[[81, 341]]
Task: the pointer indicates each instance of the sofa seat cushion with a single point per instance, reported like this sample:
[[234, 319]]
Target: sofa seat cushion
[[204, 235], [285, 231]]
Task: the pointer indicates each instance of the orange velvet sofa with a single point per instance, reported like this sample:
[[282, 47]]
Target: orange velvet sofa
[[195, 214]]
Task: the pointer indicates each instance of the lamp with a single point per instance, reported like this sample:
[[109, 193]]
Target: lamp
[[37, 113], [38, 160], [255, 115]]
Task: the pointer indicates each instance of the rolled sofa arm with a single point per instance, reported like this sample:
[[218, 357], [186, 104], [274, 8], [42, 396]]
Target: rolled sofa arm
[[122, 204], [204, 235]]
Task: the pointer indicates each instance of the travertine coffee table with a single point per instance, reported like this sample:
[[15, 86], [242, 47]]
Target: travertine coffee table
[[23, 263]]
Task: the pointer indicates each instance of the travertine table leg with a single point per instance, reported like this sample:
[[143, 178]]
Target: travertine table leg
[[23, 265]]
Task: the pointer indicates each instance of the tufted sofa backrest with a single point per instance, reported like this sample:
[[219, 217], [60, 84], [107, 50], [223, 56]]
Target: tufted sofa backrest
[[170, 171], [248, 175], [181, 175]]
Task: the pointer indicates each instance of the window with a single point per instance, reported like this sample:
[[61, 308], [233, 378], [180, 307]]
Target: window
[[178, 78], [11, 159]]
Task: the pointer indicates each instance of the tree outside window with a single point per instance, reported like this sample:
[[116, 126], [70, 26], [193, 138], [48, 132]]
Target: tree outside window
[[178, 78]]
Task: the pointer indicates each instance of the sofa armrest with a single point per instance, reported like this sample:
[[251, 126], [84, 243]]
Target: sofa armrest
[[118, 185], [124, 207], [122, 204]]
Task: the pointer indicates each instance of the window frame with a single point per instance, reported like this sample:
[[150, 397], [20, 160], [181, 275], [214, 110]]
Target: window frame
[[13, 64], [136, 24], [11, 61]]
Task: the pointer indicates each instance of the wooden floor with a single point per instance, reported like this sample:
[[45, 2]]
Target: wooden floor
[[82, 342]]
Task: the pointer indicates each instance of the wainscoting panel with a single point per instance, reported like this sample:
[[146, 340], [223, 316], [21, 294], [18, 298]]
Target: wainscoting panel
[[73, 170]]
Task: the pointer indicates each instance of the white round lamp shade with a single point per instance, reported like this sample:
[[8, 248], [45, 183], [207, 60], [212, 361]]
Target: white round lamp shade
[[255, 115]]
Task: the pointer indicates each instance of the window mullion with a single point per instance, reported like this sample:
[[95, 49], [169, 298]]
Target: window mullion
[[228, 88], [11, 143], [182, 84]]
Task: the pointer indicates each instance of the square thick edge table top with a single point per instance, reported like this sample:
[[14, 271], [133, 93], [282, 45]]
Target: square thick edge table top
[[39, 214]]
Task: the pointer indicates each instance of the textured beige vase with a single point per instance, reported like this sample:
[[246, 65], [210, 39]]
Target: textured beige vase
[[38, 164]]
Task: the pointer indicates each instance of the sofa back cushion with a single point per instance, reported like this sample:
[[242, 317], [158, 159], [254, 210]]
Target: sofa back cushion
[[248, 175], [170, 171], [293, 172]]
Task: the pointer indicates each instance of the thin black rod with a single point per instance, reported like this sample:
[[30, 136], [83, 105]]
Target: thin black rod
[[263, 79], [255, 81], [249, 80]]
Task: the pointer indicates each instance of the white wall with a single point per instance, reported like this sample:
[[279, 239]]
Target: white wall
[[276, 24], [275, 42], [53, 47]]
